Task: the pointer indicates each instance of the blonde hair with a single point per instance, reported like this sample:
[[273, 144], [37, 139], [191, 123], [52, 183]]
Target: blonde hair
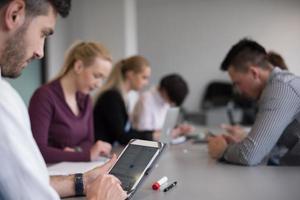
[[118, 74], [86, 52]]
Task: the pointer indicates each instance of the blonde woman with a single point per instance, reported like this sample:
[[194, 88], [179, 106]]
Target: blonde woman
[[111, 119], [61, 111]]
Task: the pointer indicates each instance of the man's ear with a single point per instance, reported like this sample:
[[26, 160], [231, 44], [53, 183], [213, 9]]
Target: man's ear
[[14, 16], [78, 66], [254, 71]]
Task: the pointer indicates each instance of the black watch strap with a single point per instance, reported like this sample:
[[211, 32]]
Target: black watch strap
[[79, 184]]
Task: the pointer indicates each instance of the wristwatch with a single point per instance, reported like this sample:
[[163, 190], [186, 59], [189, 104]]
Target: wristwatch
[[79, 184]]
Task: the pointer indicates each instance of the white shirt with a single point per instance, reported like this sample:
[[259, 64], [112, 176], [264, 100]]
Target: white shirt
[[23, 173], [150, 111], [132, 98]]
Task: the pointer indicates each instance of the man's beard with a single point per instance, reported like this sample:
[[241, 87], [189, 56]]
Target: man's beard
[[14, 54]]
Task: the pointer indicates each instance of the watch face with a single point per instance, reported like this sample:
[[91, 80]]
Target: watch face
[[79, 184]]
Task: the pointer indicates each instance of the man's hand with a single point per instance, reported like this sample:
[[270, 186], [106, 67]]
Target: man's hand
[[64, 185], [105, 187], [100, 148], [91, 175], [98, 185], [231, 139], [236, 133], [185, 128], [182, 129], [217, 146]]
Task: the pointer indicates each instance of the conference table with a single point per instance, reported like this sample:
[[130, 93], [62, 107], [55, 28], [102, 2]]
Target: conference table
[[200, 177]]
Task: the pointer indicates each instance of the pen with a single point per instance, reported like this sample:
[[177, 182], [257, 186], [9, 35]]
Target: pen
[[170, 186]]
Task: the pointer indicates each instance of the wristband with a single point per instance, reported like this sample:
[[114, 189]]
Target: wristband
[[78, 182]]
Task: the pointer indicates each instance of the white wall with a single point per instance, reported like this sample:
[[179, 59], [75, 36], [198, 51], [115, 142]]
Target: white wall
[[57, 44], [191, 37], [100, 20]]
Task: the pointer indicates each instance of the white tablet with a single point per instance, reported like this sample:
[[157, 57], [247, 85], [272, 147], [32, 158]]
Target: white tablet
[[135, 162]]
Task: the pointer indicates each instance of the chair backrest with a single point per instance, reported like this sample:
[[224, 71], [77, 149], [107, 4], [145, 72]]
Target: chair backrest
[[223, 103], [217, 94]]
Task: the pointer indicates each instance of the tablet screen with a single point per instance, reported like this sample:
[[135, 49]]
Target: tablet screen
[[132, 164]]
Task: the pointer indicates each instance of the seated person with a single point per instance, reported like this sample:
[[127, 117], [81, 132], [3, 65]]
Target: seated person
[[276, 60], [278, 95], [24, 27], [111, 119], [151, 109], [61, 111]]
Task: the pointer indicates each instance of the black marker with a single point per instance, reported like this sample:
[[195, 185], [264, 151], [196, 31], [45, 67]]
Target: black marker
[[170, 186]]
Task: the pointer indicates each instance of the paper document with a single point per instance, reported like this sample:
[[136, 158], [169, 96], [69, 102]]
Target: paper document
[[66, 168]]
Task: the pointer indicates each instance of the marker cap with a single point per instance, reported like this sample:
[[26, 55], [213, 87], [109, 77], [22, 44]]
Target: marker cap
[[157, 184]]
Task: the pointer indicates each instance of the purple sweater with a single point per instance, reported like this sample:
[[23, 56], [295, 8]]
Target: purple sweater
[[54, 125]]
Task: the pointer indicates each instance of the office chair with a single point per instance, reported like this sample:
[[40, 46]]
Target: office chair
[[233, 108]]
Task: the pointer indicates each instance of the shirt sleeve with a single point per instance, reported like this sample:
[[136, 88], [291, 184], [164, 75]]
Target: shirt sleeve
[[23, 173], [41, 111], [277, 109]]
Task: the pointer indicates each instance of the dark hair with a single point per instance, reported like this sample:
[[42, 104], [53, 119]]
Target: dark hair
[[244, 53], [175, 87], [277, 60], [40, 7]]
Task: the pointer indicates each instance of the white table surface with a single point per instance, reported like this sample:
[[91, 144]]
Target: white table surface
[[200, 177]]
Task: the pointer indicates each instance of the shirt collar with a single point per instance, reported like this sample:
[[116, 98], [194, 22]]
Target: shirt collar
[[275, 71]]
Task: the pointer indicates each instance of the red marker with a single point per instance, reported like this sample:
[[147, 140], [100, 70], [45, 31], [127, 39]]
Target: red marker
[[159, 183]]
